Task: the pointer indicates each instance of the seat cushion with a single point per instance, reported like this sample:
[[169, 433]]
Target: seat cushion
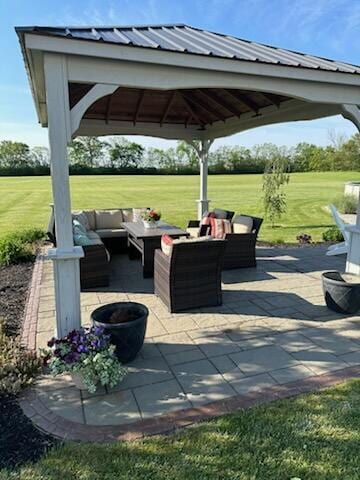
[[193, 231], [111, 232], [91, 218], [94, 236], [127, 214], [167, 243], [242, 224], [108, 219]]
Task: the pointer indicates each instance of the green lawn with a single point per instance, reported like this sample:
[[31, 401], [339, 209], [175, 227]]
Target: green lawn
[[311, 437], [24, 200]]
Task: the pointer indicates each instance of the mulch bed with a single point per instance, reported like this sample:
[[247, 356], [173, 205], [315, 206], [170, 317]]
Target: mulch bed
[[20, 441]]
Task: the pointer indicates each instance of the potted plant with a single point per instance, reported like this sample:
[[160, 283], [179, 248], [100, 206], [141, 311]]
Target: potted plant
[[304, 239], [341, 291], [126, 323], [88, 356], [151, 218]]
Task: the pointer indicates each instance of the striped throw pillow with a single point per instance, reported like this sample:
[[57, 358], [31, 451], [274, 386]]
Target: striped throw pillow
[[220, 227], [166, 244]]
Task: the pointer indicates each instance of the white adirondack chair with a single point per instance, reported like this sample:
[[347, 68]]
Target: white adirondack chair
[[342, 247]]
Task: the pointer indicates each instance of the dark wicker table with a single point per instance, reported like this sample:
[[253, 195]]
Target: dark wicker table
[[146, 240]]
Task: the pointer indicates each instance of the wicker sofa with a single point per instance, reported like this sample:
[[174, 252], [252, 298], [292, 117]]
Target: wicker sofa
[[240, 250], [191, 276], [107, 235]]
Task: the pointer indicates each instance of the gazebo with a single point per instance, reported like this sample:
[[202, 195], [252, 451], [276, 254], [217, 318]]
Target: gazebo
[[168, 81]]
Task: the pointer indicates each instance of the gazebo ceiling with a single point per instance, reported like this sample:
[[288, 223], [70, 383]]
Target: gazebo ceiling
[[196, 107]]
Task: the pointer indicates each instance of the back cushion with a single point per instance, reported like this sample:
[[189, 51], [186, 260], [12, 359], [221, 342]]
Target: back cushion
[[108, 219], [166, 244], [223, 214], [127, 214], [220, 227], [137, 214], [82, 218], [242, 224], [91, 218]]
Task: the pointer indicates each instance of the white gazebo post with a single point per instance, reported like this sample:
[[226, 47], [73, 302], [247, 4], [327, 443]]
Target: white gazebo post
[[203, 154], [352, 112], [65, 256]]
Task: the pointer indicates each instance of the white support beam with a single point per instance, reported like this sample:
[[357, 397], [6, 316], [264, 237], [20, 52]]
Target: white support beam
[[352, 113], [97, 91], [65, 255], [203, 154]]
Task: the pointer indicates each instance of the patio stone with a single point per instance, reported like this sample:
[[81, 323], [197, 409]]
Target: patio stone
[[144, 372], [250, 384], [180, 323], [319, 361], [65, 402], [183, 357], [202, 382], [263, 359], [111, 409], [227, 368], [166, 397], [293, 341], [331, 341], [291, 374], [177, 342], [216, 344], [352, 358]]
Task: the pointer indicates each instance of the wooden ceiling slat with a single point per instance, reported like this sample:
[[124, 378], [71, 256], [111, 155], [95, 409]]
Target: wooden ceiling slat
[[243, 99], [167, 109], [272, 98], [192, 98], [138, 106], [196, 117], [212, 96]]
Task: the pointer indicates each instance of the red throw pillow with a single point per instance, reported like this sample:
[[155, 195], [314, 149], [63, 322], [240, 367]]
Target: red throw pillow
[[166, 244], [219, 227]]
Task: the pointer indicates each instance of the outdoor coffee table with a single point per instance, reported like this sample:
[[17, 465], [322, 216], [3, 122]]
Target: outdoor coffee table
[[147, 240]]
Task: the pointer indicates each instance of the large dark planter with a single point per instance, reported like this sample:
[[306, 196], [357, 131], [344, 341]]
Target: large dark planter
[[341, 296], [127, 336]]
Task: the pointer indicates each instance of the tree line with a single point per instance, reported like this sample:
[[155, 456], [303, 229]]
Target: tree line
[[93, 155]]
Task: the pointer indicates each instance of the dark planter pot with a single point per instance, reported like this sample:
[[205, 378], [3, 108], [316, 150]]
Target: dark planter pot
[[341, 296], [128, 337]]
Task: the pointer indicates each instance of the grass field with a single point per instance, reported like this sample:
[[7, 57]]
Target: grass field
[[24, 201], [311, 437]]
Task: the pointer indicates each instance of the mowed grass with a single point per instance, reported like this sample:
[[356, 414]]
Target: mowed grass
[[310, 437], [24, 201]]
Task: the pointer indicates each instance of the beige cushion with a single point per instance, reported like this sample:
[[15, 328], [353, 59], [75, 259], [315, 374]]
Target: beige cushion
[[127, 214], [111, 232], [193, 231], [81, 217], [137, 214], [242, 224], [108, 219], [91, 218]]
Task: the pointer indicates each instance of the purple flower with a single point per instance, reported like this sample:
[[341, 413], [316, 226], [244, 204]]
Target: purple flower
[[51, 343], [71, 357], [82, 349]]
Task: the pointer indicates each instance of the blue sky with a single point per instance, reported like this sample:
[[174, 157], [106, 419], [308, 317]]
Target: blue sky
[[329, 28]]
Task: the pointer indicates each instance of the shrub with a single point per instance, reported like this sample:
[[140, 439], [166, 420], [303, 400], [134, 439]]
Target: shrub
[[346, 204], [18, 366], [19, 246], [333, 234]]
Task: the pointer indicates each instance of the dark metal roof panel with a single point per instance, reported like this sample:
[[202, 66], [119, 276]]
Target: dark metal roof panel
[[183, 38]]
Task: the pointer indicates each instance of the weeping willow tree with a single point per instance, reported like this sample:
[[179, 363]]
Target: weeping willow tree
[[276, 177]]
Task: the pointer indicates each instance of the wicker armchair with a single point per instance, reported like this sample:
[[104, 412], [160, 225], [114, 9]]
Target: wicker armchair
[[240, 250], [191, 276]]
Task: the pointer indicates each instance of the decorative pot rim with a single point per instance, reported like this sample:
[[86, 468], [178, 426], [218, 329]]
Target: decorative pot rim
[[117, 305], [341, 283]]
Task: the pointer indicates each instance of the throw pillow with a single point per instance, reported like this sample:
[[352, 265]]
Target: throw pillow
[[137, 214], [242, 224], [128, 214], [82, 240], [167, 244], [106, 219], [219, 227], [82, 218], [78, 228]]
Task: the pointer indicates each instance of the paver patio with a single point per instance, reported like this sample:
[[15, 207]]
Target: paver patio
[[272, 329]]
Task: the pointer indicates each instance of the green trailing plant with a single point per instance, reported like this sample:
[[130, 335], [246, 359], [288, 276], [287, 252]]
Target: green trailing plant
[[333, 234], [19, 247], [18, 366], [276, 176]]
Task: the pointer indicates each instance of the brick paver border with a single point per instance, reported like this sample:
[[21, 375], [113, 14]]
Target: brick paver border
[[29, 326], [48, 421]]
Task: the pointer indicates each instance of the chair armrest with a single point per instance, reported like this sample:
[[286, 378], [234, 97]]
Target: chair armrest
[[193, 224], [96, 253], [162, 260]]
